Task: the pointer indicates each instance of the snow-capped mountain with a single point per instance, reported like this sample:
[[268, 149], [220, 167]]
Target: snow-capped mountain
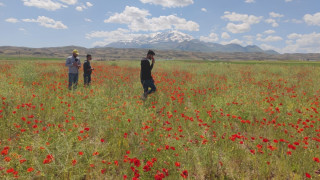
[[175, 40]]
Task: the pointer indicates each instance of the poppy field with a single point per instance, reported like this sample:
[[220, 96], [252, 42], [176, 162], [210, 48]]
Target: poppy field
[[207, 120]]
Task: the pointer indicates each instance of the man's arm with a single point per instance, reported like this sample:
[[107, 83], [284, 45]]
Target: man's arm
[[152, 63], [68, 62]]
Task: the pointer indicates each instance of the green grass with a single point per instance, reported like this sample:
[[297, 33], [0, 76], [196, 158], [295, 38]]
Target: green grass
[[213, 120]]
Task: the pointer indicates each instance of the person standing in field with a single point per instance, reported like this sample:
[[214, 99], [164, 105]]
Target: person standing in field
[[87, 70], [73, 62], [145, 75]]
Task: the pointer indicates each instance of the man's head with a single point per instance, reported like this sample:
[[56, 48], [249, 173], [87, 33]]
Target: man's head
[[150, 54], [75, 53], [89, 57]]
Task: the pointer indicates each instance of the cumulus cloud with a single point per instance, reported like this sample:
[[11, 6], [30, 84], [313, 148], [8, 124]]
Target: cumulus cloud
[[269, 38], [273, 22], [203, 9], [89, 4], [137, 20], [296, 21], [249, 1], [169, 3], [44, 4], [312, 19], [275, 15], [245, 21], [303, 43], [12, 20], [234, 41], [270, 31], [248, 39], [213, 37], [47, 22], [84, 6], [112, 36], [225, 35], [87, 20], [80, 8], [269, 47], [70, 2]]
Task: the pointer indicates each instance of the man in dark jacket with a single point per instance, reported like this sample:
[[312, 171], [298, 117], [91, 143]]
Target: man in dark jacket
[[87, 70], [145, 74]]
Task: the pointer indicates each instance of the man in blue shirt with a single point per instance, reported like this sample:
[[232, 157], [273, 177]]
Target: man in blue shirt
[[73, 62]]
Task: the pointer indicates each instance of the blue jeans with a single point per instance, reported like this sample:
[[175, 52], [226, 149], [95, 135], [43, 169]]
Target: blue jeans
[[148, 83], [73, 80], [87, 79]]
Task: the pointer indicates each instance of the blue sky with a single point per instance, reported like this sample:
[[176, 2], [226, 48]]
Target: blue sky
[[287, 26]]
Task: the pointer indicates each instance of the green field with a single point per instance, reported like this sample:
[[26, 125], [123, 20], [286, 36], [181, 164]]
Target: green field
[[207, 120]]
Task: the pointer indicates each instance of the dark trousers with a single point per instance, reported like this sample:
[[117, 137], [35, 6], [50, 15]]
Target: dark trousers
[[148, 83], [87, 79], [73, 80]]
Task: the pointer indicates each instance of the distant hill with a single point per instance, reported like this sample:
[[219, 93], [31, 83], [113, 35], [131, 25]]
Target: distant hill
[[175, 40], [108, 53]]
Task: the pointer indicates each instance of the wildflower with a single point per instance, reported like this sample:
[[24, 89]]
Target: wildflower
[[184, 174], [103, 171], [30, 169], [308, 175], [74, 162]]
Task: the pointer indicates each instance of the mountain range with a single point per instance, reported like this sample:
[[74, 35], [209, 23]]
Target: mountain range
[[175, 40]]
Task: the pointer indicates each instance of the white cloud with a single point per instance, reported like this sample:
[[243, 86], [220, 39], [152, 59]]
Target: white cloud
[[303, 43], [270, 31], [1, 4], [47, 22], [137, 20], [272, 22], [234, 41], [248, 39], [169, 3], [269, 47], [294, 36], [235, 17], [225, 35], [203, 9], [12, 20], [275, 15], [87, 20], [89, 4], [238, 28], [312, 19], [269, 38], [249, 1], [22, 29], [213, 37], [245, 21], [80, 8], [84, 6], [70, 2], [44, 4], [112, 36], [296, 21], [288, 0]]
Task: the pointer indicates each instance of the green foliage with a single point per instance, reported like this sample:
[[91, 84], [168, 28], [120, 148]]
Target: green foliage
[[216, 120]]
